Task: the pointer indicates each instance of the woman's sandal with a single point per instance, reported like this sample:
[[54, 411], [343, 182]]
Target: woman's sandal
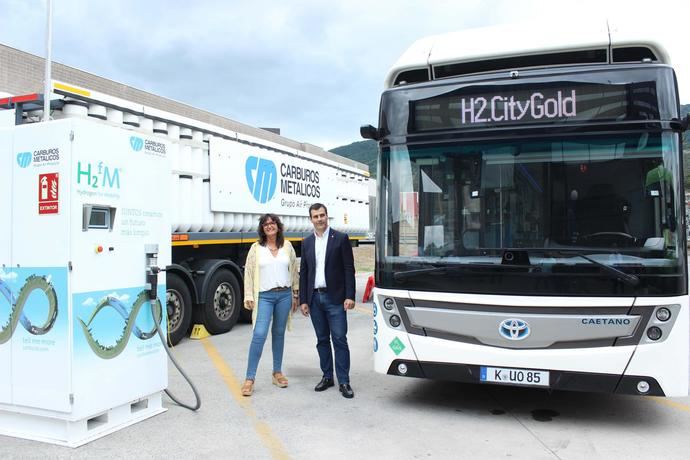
[[280, 380], [248, 388]]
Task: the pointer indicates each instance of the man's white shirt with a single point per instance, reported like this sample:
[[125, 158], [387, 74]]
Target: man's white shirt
[[320, 244]]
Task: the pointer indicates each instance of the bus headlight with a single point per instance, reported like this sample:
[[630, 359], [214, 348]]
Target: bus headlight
[[654, 333], [388, 304], [394, 320], [663, 314], [402, 368], [642, 386]]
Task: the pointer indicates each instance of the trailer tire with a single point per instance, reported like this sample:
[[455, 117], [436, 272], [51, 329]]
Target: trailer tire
[[178, 302], [221, 308]]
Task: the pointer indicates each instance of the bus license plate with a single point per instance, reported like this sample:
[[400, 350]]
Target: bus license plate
[[514, 376]]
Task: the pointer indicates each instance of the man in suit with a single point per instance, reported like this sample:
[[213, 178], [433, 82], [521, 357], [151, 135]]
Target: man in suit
[[326, 292]]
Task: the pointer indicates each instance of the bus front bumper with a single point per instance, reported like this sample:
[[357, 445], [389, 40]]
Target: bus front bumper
[[559, 380]]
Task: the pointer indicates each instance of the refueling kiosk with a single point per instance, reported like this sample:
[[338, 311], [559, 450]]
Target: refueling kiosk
[[84, 224]]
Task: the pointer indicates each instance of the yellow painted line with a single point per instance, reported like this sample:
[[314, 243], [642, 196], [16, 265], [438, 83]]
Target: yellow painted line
[[234, 241], [71, 89], [669, 403], [202, 242], [267, 437]]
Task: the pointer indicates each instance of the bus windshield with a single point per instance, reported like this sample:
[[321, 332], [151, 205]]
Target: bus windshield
[[587, 214]]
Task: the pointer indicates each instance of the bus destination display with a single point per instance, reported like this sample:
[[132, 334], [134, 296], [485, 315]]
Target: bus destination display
[[499, 105]]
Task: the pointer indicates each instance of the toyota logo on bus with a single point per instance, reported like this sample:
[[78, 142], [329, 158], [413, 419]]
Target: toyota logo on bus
[[514, 329]]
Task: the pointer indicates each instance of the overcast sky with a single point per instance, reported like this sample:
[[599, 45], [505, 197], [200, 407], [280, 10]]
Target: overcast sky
[[313, 68]]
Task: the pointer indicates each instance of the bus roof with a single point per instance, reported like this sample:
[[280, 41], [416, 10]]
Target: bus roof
[[516, 46]]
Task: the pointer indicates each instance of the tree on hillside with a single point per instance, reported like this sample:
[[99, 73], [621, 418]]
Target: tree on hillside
[[363, 151]]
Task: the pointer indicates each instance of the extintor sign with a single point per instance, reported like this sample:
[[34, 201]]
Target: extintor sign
[[48, 193]]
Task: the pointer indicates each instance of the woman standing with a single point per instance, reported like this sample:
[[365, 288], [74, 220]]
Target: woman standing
[[271, 291]]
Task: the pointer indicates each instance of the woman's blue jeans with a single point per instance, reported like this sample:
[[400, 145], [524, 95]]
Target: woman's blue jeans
[[272, 305]]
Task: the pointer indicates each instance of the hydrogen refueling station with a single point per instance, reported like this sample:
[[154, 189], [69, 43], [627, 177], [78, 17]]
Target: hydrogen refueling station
[[79, 301]]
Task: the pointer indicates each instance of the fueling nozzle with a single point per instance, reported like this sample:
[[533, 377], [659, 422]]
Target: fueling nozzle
[[152, 282], [152, 270]]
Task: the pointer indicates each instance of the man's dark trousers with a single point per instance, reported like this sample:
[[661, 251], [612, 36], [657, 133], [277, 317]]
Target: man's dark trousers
[[330, 321]]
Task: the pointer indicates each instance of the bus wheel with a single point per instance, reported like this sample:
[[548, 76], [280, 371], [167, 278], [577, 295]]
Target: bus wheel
[[178, 300], [222, 303]]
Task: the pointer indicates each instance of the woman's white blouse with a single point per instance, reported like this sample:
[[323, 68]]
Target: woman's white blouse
[[273, 271]]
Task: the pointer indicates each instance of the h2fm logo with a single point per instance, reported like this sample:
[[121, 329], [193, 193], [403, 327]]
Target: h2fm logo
[[98, 176]]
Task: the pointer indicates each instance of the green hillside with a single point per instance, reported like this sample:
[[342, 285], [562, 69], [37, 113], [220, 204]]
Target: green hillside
[[363, 151]]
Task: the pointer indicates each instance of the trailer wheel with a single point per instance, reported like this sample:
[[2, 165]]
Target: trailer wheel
[[178, 300], [222, 306]]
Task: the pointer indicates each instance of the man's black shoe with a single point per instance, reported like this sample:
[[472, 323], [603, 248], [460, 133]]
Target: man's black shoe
[[346, 390], [324, 384]]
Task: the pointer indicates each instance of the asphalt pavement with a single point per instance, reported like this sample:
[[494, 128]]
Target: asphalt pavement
[[389, 417]]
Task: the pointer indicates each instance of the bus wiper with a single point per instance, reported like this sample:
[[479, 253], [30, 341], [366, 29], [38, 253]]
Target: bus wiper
[[419, 271], [454, 267], [631, 280]]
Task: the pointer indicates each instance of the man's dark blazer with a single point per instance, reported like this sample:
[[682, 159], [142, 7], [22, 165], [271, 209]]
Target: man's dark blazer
[[339, 271]]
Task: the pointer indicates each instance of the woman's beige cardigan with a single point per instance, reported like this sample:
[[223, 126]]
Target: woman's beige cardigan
[[251, 276]]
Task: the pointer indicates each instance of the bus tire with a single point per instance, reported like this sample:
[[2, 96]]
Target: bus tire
[[178, 302], [221, 308]]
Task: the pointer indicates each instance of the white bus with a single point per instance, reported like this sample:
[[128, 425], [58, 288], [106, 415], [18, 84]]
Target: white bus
[[531, 213]]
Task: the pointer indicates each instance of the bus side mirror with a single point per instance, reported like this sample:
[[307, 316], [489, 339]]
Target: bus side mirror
[[369, 132]]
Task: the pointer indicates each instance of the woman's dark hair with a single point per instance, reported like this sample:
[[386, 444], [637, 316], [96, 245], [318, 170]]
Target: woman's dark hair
[[262, 235]]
